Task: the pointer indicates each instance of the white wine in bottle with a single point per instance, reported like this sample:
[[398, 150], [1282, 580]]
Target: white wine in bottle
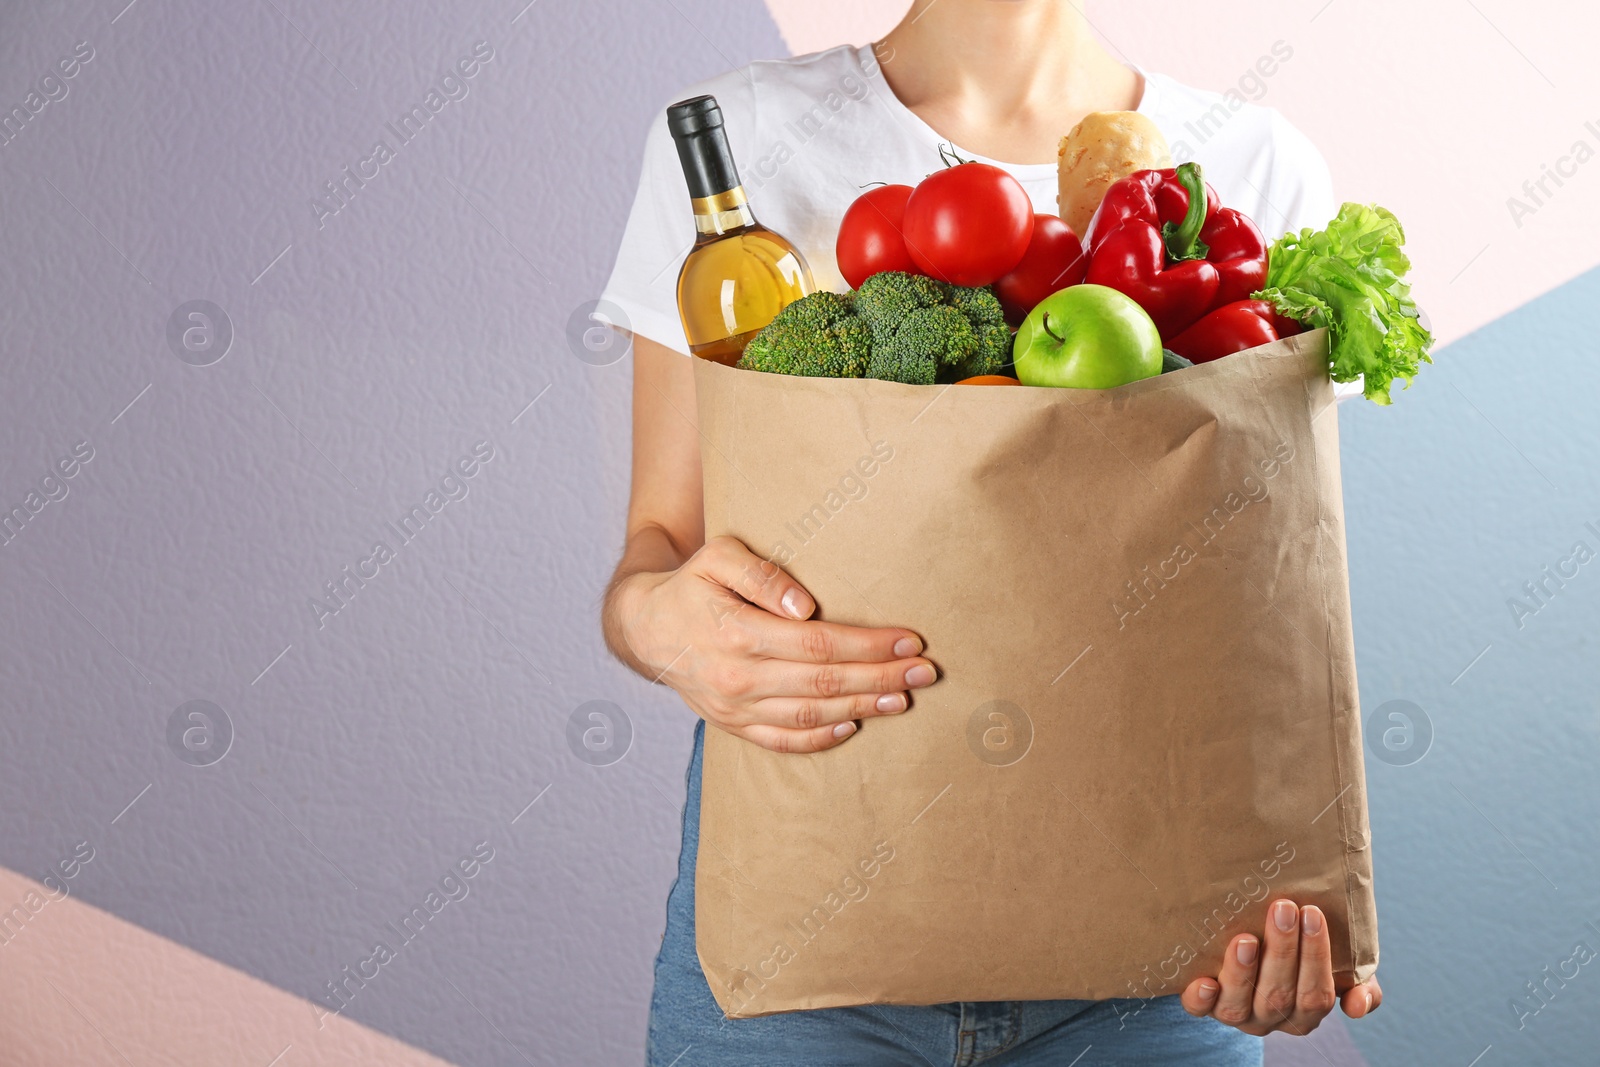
[[739, 273]]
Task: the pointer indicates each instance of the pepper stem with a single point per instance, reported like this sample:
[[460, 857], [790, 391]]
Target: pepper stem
[[1045, 322], [1183, 241]]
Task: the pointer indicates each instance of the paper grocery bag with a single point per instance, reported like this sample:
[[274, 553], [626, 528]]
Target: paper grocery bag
[[1145, 727]]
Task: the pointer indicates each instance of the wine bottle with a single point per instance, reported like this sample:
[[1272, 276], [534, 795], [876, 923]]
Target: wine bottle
[[739, 274]]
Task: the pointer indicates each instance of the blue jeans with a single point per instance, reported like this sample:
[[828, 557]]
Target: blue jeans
[[687, 1029]]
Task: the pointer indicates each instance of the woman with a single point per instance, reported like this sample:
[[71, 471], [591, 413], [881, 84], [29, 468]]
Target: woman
[[1001, 82]]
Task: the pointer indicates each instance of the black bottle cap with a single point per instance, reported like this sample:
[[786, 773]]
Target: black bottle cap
[[693, 115], [696, 127]]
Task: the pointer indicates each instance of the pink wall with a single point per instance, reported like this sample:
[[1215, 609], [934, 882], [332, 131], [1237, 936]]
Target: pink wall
[[1439, 115], [81, 987]]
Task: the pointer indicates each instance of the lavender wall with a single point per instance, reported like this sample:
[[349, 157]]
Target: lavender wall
[[372, 349]]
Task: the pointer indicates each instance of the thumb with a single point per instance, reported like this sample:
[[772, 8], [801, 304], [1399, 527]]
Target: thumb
[[726, 561]]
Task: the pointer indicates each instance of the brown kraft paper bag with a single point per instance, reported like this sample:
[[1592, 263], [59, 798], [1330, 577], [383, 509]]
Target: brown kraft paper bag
[[1145, 727]]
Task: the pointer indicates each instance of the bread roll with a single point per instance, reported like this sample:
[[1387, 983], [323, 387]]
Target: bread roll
[[1105, 147]]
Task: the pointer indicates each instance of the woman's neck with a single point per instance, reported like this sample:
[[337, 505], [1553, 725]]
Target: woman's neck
[[1003, 78]]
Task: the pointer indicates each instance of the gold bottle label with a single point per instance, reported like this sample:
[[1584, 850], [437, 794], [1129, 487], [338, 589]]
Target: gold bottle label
[[726, 201]]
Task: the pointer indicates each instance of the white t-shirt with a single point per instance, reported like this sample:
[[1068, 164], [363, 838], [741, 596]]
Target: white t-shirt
[[808, 133]]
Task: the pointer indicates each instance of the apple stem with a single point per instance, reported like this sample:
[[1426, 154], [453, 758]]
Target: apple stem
[[1046, 324]]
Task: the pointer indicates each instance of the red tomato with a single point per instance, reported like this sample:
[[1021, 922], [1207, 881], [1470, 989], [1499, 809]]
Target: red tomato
[[968, 224], [869, 235], [1053, 261]]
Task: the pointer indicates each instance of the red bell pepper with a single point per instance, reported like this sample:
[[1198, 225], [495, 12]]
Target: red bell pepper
[[1228, 329], [1163, 238], [1286, 326]]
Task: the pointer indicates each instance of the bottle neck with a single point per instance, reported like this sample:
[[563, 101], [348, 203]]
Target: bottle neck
[[722, 213], [715, 193]]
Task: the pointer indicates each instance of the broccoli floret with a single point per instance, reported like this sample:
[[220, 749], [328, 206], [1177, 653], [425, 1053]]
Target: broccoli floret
[[988, 319], [897, 327], [979, 304], [926, 339], [957, 332], [817, 336], [888, 296]]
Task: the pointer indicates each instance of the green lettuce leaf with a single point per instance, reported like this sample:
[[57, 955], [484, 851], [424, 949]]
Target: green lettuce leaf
[[1350, 277]]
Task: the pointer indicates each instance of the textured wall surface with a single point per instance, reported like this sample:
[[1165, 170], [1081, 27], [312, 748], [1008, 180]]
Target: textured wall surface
[[81, 987], [371, 350], [1487, 856], [226, 468]]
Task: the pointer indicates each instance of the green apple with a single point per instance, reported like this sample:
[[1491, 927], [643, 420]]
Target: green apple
[[1087, 337]]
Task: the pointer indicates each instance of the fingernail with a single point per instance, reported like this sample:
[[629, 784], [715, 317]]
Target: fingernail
[[1207, 991], [1247, 952], [1311, 921], [797, 604], [1283, 916], [844, 729], [907, 646], [919, 676], [892, 702], [1369, 1004]]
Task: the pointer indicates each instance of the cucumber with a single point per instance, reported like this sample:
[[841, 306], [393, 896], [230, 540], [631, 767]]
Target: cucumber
[[1171, 361]]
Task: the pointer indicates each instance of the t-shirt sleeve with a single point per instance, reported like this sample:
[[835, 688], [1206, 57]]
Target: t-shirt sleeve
[[658, 235]]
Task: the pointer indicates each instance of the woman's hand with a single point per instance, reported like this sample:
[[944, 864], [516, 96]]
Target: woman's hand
[[1287, 984], [722, 626], [727, 630]]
